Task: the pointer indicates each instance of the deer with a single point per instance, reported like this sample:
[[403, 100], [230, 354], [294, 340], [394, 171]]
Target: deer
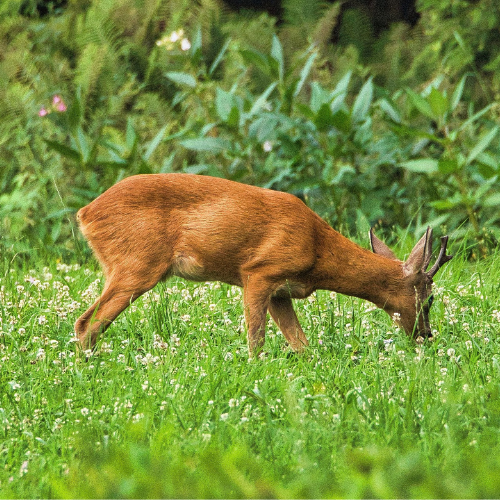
[[147, 228]]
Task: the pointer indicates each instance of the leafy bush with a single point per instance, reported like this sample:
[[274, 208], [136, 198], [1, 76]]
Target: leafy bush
[[194, 88]]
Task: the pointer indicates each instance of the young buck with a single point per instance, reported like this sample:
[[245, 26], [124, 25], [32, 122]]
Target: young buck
[[149, 227]]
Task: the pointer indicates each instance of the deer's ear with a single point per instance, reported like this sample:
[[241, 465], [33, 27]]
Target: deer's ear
[[380, 248], [420, 256]]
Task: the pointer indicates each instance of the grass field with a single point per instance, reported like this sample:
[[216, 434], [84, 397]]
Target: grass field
[[169, 406]]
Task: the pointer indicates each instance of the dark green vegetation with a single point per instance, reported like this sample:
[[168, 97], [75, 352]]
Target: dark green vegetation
[[169, 406], [401, 129]]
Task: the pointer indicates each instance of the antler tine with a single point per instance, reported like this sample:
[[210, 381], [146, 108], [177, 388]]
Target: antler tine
[[442, 257]]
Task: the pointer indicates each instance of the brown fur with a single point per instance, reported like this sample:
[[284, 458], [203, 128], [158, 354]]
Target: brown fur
[[149, 227]]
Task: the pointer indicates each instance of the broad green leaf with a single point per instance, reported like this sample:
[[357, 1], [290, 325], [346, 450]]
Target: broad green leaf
[[64, 150], [343, 85], [342, 121], [324, 117], [492, 201], [258, 59], [421, 166], [390, 110], [363, 101], [483, 143], [223, 103], [489, 160], [277, 55], [438, 102], [207, 144], [448, 166], [420, 103], [181, 78], [319, 96]]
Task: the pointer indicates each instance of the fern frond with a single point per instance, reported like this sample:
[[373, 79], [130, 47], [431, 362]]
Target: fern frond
[[90, 66]]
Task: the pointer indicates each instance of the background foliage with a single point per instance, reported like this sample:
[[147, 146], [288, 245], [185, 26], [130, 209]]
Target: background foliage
[[398, 129]]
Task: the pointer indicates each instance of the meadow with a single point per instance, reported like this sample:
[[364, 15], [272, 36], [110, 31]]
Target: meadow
[[169, 405]]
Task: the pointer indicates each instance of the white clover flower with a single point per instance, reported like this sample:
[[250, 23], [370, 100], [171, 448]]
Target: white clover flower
[[84, 411], [24, 468], [267, 146], [42, 320], [175, 36], [185, 44], [224, 416]]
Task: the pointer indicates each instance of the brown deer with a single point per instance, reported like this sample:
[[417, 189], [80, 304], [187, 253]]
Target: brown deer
[[149, 227]]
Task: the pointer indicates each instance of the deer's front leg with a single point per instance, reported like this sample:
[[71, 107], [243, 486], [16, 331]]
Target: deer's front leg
[[283, 314]]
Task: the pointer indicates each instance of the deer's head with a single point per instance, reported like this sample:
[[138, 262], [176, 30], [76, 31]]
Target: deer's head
[[410, 308]]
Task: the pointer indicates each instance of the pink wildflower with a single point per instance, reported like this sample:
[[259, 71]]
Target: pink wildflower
[[58, 104], [43, 112]]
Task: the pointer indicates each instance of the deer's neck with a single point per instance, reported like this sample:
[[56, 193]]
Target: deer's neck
[[344, 267]]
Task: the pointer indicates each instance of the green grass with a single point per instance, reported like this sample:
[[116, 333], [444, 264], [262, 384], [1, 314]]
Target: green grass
[[169, 406]]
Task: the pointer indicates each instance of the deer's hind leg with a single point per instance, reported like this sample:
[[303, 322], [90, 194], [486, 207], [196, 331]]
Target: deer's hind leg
[[121, 289]]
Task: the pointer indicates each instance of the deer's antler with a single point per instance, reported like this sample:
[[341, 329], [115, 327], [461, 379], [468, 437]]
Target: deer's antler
[[442, 257]]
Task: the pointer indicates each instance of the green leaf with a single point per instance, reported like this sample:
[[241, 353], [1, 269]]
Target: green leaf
[[64, 150], [363, 101], [342, 121], [489, 160], [483, 143], [457, 93], [219, 57], [224, 102], [319, 96], [182, 78], [75, 112], [262, 99], [305, 73], [475, 117], [438, 102], [83, 145], [421, 166], [154, 143], [208, 144], [258, 59], [130, 135], [277, 55], [343, 85], [420, 103], [390, 110], [492, 201], [448, 166], [196, 43], [324, 117]]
